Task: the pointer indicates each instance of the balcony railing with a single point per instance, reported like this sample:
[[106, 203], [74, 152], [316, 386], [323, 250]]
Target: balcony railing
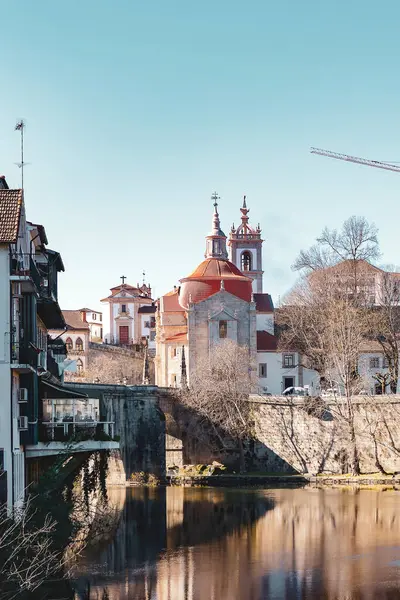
[[62, 431], [23, 354], [22, 265]]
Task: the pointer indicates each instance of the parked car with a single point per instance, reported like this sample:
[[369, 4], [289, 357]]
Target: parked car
[[295, 391]]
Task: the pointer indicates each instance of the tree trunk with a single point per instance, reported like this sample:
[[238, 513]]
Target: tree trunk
[[354, 458], [242, 463], [377, 461]]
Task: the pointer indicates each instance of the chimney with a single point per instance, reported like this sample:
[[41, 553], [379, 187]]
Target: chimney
[[3, 183]]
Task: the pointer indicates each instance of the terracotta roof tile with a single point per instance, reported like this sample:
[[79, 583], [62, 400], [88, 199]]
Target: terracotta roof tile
[[73, 319], [10, 213], [178, 337], [215, 267]]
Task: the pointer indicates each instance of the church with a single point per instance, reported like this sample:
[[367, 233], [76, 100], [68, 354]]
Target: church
[[223, 298]]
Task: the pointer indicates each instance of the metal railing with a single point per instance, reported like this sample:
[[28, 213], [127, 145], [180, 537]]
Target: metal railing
[[24, 354], [23, 265], [62, 431]]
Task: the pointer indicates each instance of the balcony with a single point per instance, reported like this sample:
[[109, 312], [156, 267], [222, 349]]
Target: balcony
[[78, 436], [79, 431], [24, 270], [24, 357]]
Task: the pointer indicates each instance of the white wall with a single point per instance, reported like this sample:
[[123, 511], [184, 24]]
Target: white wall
[[276, 373], [5, 372]]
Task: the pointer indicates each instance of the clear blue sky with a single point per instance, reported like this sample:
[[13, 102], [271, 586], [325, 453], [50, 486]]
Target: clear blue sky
[[137, 111]]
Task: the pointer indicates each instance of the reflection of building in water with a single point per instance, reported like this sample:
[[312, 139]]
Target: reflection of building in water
[[224, 545]]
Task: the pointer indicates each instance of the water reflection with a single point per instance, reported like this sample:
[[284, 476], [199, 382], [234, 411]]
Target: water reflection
[[214, 544]]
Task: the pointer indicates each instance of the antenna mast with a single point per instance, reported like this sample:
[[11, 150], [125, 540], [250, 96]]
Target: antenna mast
[[20, 126]]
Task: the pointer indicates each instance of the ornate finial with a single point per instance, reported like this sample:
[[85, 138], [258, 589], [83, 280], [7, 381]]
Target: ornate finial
[[183, 370], [144, 277], [123, 279], [244, 202], [222, 284]]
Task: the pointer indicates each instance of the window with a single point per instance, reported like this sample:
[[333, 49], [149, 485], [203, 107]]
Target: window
[[79, 345], [174, 352], [69, 344], [123, 308], [262, 370], [374, 362], [246, 261], [101, 317], [94, 316], [147, 324], [101, 332], [288, 360], [152, 336], [152, 322], [79, 366], [385, 363], [223, 329]]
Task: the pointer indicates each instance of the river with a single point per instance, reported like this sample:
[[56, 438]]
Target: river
[[247, 544]]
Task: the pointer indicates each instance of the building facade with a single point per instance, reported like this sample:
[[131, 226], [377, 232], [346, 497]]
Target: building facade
[[129, 316], [94, 319], [221, 299]]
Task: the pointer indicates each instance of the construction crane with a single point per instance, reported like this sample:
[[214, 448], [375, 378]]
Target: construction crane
[[355, 159]]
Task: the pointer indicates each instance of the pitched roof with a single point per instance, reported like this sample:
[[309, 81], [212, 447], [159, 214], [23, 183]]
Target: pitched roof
[[73, 319], [177, 338], [263, 303], [10, 214], [266, 342], [90, 310], [147, 309], [170, 302]]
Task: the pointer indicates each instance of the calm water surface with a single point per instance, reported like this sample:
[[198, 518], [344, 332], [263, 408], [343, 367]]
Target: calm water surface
[[224, 544]]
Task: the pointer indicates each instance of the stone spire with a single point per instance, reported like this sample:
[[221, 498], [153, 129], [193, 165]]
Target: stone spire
[[183, 370], [216, 240], [146, 370]]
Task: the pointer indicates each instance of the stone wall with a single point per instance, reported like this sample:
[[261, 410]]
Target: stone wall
[[203, 320], [289, 440], [318, 444]]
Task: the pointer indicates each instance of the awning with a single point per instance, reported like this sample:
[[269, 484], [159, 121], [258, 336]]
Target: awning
[[50, 313], [54, 391]]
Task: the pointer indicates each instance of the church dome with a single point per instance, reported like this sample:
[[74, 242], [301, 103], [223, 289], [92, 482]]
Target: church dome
[[206, 280]]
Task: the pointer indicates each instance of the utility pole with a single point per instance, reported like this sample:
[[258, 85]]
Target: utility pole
[[20, 126]]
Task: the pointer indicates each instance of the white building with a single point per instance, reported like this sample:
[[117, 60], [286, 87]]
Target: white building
[[129, 316], [94, 319]]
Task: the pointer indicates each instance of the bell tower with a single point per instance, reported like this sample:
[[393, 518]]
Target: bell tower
[[245, 249]]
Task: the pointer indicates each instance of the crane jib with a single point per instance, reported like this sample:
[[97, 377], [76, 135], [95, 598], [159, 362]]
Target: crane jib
[[355, 159]]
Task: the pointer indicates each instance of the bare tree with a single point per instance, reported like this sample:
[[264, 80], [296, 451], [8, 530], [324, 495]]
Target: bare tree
[[385, 325], [219, 391], [27, 555], [328, 329], [356, 243], [110, 367]]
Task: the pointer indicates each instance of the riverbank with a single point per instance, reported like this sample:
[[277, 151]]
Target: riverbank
[[255, 480]]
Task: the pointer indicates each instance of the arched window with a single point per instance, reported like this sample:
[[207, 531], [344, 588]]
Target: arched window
[[69, 344], [79, 366], [246, 261], [79, 344]]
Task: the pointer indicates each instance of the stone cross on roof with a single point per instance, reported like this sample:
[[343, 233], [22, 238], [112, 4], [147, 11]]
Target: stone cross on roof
[[123, 279]]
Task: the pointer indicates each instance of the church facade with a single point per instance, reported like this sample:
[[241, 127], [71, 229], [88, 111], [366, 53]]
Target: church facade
[[221, 299]]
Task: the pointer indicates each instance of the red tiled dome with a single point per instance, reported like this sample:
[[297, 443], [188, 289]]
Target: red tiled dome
[[206, 281]]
